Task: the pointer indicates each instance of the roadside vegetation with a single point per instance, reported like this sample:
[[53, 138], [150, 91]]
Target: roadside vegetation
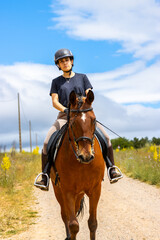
[[142, 163], [135, 143], [17, 174]]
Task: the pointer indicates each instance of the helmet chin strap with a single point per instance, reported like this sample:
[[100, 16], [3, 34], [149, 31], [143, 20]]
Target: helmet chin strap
[[69, 71]]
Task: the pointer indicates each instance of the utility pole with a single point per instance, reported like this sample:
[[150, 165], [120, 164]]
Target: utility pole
[[19, 123], [36, 140], [30, 136]]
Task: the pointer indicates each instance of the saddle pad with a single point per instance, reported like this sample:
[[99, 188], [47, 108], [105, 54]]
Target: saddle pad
[[54, 143]]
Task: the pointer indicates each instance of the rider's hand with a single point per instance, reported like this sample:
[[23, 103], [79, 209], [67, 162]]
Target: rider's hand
[[66, 111]]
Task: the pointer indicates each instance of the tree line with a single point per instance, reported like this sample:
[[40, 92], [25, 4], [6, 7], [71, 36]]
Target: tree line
[[135, 143], [116, 143]]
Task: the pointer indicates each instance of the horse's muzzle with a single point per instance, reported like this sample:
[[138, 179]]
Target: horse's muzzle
[[85, 159]]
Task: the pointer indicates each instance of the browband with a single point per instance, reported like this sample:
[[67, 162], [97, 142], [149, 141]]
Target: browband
[[81, 110]]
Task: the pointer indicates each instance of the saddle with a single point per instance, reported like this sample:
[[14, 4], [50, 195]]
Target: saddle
[[56, 139]]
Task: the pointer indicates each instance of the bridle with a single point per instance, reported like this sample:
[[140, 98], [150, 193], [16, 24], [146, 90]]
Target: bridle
[[81, 138]]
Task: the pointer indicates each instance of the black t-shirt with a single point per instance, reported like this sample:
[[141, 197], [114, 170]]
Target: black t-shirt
[[64, 86]]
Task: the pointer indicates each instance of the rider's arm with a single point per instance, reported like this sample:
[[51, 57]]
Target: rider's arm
[[56, 103]]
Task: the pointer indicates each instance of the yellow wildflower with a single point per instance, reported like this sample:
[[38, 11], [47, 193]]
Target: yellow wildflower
[[36, 150], [5, 165], [152, 148], [155, 155]]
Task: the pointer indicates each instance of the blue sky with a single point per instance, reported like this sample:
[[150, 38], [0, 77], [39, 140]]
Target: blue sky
[[28, 34], [116, 43]]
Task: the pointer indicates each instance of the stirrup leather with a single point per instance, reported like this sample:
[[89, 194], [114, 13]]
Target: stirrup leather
[[112, 180], [39, 185]]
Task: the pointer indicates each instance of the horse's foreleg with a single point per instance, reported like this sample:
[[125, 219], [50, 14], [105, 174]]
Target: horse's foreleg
[[93, 202], [73, 223], [59, 197], [65, 220]]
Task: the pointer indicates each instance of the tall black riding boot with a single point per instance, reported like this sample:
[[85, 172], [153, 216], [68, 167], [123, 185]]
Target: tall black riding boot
[[113, 174], [44, 183]]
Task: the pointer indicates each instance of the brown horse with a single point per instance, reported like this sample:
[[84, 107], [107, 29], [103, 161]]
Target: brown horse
[[80, 166]]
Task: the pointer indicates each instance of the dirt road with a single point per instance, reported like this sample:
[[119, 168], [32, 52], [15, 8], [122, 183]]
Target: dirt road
[[128, 210]]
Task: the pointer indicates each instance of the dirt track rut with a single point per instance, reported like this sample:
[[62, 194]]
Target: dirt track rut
[[128, 210]]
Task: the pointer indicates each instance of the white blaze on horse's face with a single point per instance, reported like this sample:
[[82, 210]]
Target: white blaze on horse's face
[[83, 117]]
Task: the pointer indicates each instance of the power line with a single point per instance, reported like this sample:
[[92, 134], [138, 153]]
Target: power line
[[23, 112], [21, 107], [9, 100], [31, 130]]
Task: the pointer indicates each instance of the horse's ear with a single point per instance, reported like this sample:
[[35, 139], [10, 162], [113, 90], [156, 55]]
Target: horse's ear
[[90, 97], [72, 98]]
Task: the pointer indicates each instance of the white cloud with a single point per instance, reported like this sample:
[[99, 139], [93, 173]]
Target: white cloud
[[33, 81], [128, 121], [130, 84], [20, 77], [135, 24]]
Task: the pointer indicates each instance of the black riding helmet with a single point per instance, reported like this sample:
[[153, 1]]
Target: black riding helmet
[[61, 53]]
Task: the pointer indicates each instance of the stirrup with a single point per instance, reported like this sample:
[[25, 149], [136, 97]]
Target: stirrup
[[113, 180], [44, 187]]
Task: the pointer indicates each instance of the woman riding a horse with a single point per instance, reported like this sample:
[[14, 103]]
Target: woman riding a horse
[[84, 148], [60, 90]]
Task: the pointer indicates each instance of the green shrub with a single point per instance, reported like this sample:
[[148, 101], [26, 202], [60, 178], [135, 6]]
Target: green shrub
[[139, 164]]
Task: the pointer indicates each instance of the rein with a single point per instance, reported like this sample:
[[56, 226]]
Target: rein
[[108, 129]]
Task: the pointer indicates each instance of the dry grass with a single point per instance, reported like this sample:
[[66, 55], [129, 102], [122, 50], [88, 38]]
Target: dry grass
[[139, 164], [16, 188], [16, 196]]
